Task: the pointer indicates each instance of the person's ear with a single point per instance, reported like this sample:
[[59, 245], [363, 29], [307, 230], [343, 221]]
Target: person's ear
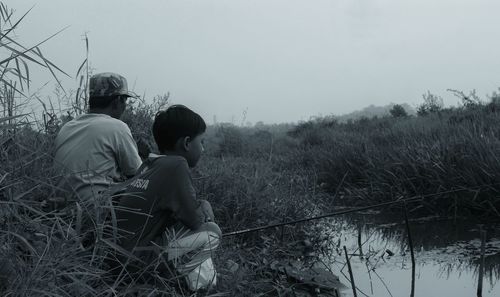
[[185, 143]]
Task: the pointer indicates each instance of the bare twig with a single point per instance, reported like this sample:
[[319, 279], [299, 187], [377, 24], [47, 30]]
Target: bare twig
[[351, 276], [410, 243], [369, 276], [481, 264], [360, 246]]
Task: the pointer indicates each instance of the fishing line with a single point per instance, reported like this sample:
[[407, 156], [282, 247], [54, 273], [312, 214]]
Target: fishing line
[[407, 200]]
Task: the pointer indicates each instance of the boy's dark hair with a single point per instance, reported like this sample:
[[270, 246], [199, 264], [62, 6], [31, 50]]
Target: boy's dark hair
[[176, 122], [103, 101]]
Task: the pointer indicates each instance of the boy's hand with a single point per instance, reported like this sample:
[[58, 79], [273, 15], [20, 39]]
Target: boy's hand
[[207, 211]]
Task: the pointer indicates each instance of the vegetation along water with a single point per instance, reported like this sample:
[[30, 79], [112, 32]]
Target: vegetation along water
[[445, 159]]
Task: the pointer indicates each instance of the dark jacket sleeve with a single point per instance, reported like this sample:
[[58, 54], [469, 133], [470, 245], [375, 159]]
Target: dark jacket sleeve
[[189, 212]]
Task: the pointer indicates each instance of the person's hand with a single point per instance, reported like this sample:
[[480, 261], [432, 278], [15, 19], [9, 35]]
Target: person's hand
[[207, 211], [143, 148]]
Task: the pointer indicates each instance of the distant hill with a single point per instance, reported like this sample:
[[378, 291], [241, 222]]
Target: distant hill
[[372, 111]]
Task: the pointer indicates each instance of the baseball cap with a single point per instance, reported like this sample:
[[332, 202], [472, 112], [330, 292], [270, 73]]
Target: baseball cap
[[109, 84]]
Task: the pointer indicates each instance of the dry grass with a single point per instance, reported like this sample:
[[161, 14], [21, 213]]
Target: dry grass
[[252, 177], [67, 252], [386, 159]]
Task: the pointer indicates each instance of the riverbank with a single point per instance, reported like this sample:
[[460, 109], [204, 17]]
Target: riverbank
[[46, 252], [255, 177]]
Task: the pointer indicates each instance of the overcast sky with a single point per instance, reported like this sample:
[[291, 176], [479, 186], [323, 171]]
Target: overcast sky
[[281, 60]]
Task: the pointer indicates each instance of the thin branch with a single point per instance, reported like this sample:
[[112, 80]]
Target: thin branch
[[410, 243], [351, 276]]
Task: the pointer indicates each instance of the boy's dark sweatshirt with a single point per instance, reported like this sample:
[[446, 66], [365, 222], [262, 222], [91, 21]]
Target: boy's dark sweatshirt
[[159, 197]]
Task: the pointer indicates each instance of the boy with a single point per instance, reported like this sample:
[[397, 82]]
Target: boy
[[158, 207]]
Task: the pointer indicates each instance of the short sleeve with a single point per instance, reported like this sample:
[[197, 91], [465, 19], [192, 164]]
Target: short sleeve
[[127, 156]]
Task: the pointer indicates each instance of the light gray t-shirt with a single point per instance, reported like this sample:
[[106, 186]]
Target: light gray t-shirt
[[94, 151]]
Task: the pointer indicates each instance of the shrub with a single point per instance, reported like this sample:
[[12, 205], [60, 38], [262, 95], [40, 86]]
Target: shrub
[[432, 104], [470, 101], [139, 116], [231, 140], [398, 111]]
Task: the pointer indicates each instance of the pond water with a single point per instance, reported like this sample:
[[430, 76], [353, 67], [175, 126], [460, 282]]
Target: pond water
[[447, 255]]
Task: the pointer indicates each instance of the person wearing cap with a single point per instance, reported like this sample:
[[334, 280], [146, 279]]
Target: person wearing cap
[[96, 150]]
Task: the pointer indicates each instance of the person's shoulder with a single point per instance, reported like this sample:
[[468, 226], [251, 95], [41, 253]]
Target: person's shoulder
[[73, 122], [105, 124], [166, 164], [158, 167], [112, 122], [69, 127], [171, 162]]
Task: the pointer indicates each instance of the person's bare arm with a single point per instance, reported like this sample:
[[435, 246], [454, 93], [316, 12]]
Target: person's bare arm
[[127, 155], [207, 211]]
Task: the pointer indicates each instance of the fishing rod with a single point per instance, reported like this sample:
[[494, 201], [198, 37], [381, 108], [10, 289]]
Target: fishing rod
[[407, 200]]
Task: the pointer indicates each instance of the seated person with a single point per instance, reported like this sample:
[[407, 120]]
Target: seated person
[[158, 209], [96, 149]]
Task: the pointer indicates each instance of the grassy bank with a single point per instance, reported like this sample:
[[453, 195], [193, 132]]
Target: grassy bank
[[384, 159], [46, 252], [253, 177]]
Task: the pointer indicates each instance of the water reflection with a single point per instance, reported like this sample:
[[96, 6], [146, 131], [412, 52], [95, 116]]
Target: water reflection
[[447, 255]]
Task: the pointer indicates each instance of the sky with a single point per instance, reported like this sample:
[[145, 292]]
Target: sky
[[273, 60]]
